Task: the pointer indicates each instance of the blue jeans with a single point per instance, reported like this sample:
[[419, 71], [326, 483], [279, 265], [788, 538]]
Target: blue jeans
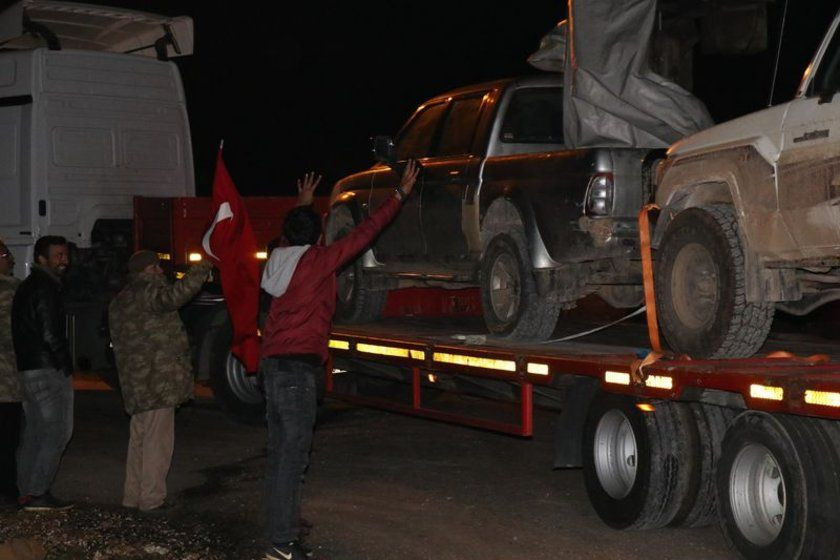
[[47, 427], [290, 396]]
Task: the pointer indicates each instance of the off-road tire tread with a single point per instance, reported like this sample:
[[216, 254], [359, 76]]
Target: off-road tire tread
[[751, 321]]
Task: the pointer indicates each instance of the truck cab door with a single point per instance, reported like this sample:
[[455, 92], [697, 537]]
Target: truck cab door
[[402, 239], [808, 169], [447, 178]]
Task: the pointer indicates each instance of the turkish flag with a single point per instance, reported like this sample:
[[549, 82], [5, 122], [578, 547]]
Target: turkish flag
[[231, 244]]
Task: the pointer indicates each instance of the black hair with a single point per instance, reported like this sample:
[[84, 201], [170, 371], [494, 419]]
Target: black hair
[[42, 246], [302, 226]]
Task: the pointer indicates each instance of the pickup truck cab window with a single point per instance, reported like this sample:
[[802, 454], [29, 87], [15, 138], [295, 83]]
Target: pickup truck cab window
[[417, 139], [459, 127], [827, 79], [535, 116]]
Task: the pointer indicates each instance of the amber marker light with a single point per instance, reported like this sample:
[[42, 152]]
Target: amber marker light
[[262, 255], [194, 257], [382, 350], [474, 361], [645, 407], [822, 398], [659, 382], [537, 369], [617, 377], [766, 392], [432, 378]]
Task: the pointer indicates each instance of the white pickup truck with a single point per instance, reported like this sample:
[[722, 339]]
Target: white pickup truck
[[750, 219]]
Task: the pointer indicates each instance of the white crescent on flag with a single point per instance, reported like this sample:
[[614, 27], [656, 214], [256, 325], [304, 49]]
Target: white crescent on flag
[[223, 213]]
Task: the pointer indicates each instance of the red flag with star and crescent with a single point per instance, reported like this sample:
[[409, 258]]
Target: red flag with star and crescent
[[231, 244]]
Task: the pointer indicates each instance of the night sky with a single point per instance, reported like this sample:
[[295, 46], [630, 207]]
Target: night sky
[[299, 87]]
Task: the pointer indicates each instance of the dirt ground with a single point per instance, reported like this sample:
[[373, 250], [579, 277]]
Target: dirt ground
[[381, 486]]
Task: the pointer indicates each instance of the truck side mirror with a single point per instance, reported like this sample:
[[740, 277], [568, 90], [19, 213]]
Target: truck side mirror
[[384, 150]]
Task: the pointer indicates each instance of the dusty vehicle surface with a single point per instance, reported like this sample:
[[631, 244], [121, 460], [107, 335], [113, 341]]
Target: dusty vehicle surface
[[750, 219], [501, 204]]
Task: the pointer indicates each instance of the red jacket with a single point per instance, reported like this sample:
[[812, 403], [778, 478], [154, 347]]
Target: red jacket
[[302, 281]]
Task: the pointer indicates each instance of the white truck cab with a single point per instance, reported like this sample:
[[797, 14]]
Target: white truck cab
[[91, 115]]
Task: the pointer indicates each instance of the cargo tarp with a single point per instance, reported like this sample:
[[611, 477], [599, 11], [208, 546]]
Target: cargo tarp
[[611, 97]]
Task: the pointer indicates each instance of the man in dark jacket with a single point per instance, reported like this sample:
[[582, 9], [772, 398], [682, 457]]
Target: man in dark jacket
[[301, 279], [44, 371]]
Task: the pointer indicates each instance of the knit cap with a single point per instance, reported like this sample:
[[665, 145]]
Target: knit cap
[[140, 260]]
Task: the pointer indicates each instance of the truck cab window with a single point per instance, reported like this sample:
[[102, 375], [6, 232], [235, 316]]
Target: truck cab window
[[459, 128], [534, 116], [827, 80], [415, 141]]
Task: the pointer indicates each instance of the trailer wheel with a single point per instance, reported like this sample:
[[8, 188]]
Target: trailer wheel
[[356, 301], [701, 287], [778, 489], [509, 299], [635, 464], [699, 507], [237, 392]]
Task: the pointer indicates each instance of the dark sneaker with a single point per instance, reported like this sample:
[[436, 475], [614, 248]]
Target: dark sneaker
[[289, 551], [47, 502]]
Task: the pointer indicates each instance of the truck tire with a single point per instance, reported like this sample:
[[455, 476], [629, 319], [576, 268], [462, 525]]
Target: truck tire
[[636, 464], [509, 299], [699, 507], [701, 287], [778, 489], [356, 301], [238, 393]]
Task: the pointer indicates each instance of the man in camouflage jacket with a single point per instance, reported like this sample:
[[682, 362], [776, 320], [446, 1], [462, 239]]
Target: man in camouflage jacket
[[10, 407], [153, 363]]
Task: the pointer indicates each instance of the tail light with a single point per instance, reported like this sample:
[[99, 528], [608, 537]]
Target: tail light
[[599, 195]]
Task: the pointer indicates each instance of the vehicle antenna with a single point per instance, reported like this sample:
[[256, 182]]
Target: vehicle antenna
[[778, 55]]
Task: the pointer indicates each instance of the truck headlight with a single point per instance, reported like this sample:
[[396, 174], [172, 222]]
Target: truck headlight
[[599, 195]]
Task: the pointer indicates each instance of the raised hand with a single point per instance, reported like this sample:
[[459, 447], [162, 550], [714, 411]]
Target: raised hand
[[409, 177], [306, 188]]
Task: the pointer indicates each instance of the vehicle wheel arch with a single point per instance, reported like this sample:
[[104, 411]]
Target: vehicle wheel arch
[[510, 215], [363, 303], [691, 196], [341, 210]]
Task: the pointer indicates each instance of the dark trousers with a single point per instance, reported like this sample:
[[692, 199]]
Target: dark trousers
[[10, 417], [47, 427], [290, 397]]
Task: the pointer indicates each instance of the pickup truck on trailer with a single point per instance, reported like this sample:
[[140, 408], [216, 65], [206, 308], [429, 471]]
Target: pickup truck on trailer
[[501, 204], [750, 218]]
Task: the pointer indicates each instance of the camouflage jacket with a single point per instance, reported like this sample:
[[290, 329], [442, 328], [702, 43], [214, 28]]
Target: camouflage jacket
[[150, 342], [9, 388]]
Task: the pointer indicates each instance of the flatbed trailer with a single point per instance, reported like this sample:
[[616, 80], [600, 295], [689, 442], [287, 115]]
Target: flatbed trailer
[[753, 444]]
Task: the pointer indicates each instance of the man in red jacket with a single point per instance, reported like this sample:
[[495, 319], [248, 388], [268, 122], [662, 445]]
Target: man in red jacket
[[301, 280]]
